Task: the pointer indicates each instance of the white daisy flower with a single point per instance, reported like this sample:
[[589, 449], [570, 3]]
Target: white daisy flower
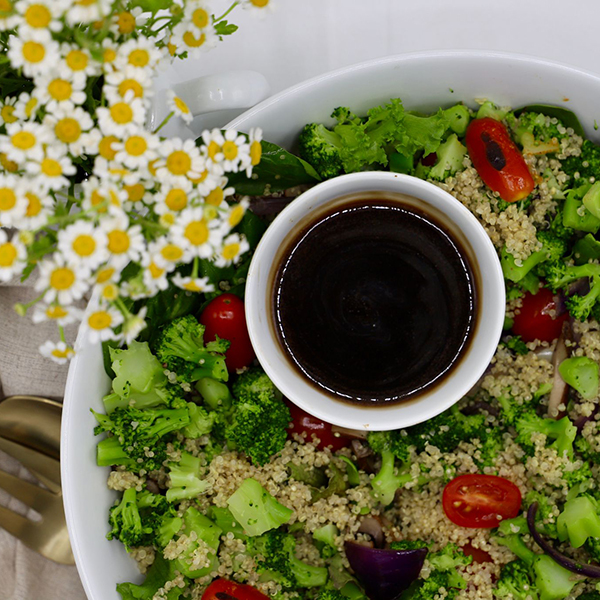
[[13, 255], [25, 141], [137, 150], [109, 55], [196, 234], [138, 194], [61, 281], [10, 166], [188, 38], [134, 325], [76, 60], [255, 139], [155, 275], [233, 247], [83, 243], [88, 11], [8, 110], [172, 198], [168, 253], [53, 169], [9, 18], [99, 321], [124, 243], [190, 284], [42, 14], [70, 127], [102, 196], [179, 107], [106, 274], [115, 172], [27, 107], [230, 151], [261, 7], [179, 159], [13, 204], [121, 118], [124, 83], [126, 21], [219, 193], [38, 206], [35, 52], [236, 213], [140, 52], [208, 180], [54, 91], [60, 353], [61, 315]]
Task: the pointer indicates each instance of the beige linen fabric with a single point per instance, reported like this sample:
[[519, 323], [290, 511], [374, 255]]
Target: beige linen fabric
[[25, 575]]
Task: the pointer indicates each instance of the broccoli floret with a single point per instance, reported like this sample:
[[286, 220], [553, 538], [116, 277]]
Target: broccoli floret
[[201, 421], [252, 383], [215, 394], [489, 109], [595, 595], [592, 547], [516, 344], [388, 480], [408, 545], [574, 213], [330, 594], [126, 522], [450, 157], [255, 509], [458, 117], [578, 521], [278, 561], [180, 347], [321, 148], [582, 374], [516, 582], [580, 307], [561, 431], [161, 571], [545, 518], [184, 478], [536, 133], [587, 164], [326, 535]]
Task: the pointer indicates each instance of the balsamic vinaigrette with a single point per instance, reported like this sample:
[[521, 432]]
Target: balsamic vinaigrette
[[374, 302]]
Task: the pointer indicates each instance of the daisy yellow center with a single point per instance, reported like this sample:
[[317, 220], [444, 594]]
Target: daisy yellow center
[[171, 252], [5, 6], [255, 153], [167, 220], [23, 140], [136, 145], [7, 164], [215, 197], [8, 199], [118, 242], [196, 233], [236, 215], [38, 15], [60, 89], [68, 130], [191, 286], [8, 255], [105, 274], [56, 312], [155, 270], [126, 22], [77, 60], [181, 105], [62, 278], [135, 192], [121, 113], [105, 147], [213, 149], [259, 3], [172, 48], [179, 162], [110, 292], [85, 2], [190, 40], [109, 55], [131, 85], [230, 150], [200, 18], [139, 57], [7, 113], [58, 353], [230, 251], [34, 206], [30, 106], [33, 52], [51, 168], [99, 320], [84, 245], [176, 200]]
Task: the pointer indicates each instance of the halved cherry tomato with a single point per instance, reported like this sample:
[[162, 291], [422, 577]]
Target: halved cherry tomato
[[223, 589], [498, 160], [534, 320], [225, 317], [302, 422], [479, 555], [480, 501]]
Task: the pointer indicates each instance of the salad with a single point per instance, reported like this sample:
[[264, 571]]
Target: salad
[[227, 491]]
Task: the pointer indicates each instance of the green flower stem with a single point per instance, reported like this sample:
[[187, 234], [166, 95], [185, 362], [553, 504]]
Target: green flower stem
[[118, 303], [195, 268], [21, 309], [146, 223], [164, 122], [226, 12], [61, 330]]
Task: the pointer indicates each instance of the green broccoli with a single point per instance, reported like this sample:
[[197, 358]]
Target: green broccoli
[[278, 561], [595, 595], [389, 479], [586, 165], [408, 545], [537, 133], [545, 518], [201, 421], [581, 373], [330, 594], [321, 148], [126, 522], [516, 582], [489, 109], [184, 478], [516, 344], [578, 521], [215, 394], [325, 537], [180, 347], [450, 157], [161, 571], [574, 213], [561, 431], [458, 117]]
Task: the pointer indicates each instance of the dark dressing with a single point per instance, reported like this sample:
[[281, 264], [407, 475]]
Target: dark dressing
[[374, 302]]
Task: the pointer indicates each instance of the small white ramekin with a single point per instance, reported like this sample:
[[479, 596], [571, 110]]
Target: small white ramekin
[[470, 366]]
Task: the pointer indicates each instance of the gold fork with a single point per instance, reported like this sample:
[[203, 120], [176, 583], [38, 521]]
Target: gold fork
[[30, 432]]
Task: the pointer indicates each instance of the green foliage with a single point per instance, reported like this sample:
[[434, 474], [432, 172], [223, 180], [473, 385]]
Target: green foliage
[[224, 28]]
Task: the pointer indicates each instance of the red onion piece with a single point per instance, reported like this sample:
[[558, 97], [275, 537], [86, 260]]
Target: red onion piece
[[564, 561], [384, 574]]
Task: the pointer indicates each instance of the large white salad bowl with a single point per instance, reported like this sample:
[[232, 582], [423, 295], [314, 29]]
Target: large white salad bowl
[[423, 81]]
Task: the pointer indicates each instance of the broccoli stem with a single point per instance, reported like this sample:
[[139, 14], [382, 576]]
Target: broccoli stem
[[111, 453]]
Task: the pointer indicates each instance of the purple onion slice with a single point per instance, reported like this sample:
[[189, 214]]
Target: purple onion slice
[[384, 574]]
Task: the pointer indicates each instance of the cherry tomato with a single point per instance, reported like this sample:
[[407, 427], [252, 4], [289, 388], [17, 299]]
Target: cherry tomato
[[302, 422], [479, 555], [534, 320], [224, 317], [223, 589], [480, 501], [498, 160]]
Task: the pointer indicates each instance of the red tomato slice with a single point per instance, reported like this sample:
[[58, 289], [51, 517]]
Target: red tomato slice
[[302, 422], [223, 589], [534, 320], [479, 555], [480, 501], [225, 317], [498, 160]]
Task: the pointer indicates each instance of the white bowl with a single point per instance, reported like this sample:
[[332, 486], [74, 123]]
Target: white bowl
[[425, 81], [473, 361]]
